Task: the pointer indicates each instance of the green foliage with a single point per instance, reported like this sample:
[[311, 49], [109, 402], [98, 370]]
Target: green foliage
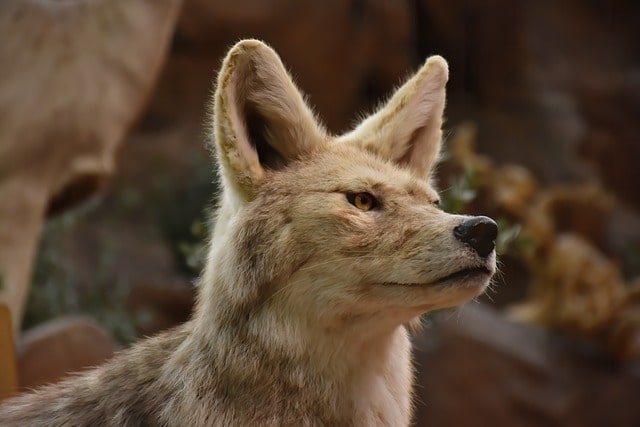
[[462, 192], [510, 238], [194, 253], [181, 215]]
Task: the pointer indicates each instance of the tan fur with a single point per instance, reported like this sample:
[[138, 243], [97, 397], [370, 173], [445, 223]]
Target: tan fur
[[304, 298]]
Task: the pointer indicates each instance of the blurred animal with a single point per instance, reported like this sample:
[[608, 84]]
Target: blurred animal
[[324, 250]]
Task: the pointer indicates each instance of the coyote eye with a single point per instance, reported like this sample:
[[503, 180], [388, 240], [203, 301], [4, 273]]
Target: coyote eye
[[362, 201]]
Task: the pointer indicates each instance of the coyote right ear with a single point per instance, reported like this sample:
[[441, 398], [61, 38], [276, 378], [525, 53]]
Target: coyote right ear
[[407, 129], [260, 119]]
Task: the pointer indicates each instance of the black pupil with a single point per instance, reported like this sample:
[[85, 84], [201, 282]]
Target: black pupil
[[364, 199]]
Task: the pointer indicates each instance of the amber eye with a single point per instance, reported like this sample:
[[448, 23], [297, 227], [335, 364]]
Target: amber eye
[[362, 201]]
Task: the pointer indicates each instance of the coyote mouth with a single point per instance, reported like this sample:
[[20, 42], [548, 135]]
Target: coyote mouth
[[472, 276], [466, 275]]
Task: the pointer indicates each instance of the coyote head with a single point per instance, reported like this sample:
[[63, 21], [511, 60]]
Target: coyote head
[[336, 228]]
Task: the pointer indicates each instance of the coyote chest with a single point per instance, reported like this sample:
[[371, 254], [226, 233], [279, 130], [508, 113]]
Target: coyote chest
[[323, 249]]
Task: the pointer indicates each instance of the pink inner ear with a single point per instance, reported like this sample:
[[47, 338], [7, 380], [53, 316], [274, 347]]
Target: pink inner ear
[[244, 157], [423, 145], [287, 125], [425, 110], [421, 157]]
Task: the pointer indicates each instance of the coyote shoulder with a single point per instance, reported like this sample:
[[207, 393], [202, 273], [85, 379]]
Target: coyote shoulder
[[324, 249]]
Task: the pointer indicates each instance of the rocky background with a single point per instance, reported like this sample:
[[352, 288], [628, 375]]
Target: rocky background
[[106, 181]]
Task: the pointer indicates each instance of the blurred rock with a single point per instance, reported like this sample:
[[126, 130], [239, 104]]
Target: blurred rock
[[60, 347], [74, 77], [165, 305], [477, 369]]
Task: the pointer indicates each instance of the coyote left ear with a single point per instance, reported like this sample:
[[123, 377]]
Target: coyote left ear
[[261, 121], [407, 129]]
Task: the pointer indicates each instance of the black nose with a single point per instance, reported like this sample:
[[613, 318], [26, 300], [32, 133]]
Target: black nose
[[479, 232]]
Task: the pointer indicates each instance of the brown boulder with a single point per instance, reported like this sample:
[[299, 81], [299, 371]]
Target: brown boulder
[[166, 304], [59, 347], [477, 368]]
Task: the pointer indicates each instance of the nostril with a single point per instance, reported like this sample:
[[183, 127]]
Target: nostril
[[479, 232]]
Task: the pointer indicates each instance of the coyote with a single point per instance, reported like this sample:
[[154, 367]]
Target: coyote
[[325, 251]]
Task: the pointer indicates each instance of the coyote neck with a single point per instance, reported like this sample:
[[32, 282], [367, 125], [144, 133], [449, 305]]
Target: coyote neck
[[279, 367], [347, 372]]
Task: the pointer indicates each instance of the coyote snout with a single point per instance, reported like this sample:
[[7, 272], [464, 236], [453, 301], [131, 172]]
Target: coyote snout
[[480, 233], [324, 248]]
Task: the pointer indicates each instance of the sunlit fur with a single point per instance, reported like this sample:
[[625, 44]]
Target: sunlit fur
[[304, 298]]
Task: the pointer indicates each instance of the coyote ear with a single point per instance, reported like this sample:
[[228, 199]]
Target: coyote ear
[[260, 119], [407, 129]]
